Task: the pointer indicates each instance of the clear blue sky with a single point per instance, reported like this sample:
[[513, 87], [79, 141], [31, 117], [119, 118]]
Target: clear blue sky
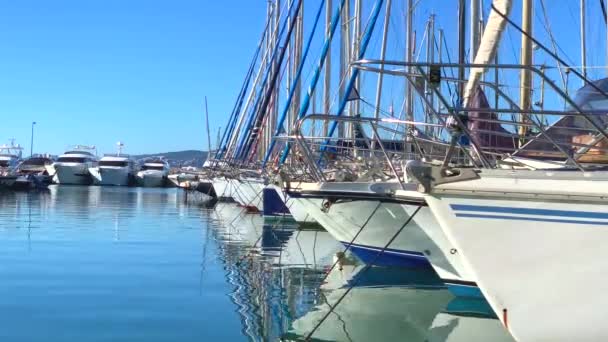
[[96, 72]]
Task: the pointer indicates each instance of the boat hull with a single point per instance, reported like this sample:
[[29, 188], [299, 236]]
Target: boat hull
[[296, 210], [7, 182], [250, 194], [537, 248], [223, 189], [74, 174], [420, 243], [152, 179], [114, 176]]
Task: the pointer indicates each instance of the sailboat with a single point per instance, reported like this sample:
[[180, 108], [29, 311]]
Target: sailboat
[[534, 238]]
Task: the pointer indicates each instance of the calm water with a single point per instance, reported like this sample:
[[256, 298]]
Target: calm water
[[132, 264]]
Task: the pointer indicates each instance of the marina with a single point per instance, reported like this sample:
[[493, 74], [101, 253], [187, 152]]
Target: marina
[[125, 263], [388, 170]]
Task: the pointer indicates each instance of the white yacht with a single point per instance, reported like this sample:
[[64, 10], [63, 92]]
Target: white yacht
[[153, 173], [10, 156], [116, 169], [73, 166]]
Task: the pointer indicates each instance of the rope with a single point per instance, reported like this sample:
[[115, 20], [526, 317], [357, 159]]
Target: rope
[[365, 269], [351, 241]]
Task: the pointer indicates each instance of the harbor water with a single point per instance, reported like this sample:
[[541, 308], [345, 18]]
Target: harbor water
[[137, 264]]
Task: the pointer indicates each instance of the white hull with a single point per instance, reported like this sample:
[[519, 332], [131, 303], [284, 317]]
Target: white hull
[[152, 178], [537, 247], [250, 193], [222, 187], [297, 211], [421, 242], [118, 176], [72, 173]]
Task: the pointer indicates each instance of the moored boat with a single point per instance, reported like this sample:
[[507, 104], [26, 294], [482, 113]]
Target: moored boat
[[511, 229], [73, 166], [384, 225], [116, 169], [153, 173]]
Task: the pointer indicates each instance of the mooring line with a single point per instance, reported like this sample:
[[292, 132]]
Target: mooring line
[[352, 241], [365, 269]]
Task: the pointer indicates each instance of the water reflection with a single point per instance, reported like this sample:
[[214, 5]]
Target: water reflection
[[110, 264], [282, 291], [102, 263], [380, 304]]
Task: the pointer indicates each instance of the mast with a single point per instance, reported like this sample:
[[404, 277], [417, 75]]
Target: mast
[[208, 132], [217, 145], [355, 44], [327, 77], [344, 55], [409, 53], [382, 55], [583, 42], [525, 85], [474, 34], [297, 58], [430, 57], [461, 45]]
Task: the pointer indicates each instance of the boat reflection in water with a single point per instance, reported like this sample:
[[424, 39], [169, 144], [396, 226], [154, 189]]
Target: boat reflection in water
[[392, 304], [275, 271], [281, 289]]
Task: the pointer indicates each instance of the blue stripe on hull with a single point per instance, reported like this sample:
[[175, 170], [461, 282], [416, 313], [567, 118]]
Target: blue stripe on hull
[[460, 290], [536, 219], [529, 211], [409, 259], [390, 257], [477, 307]]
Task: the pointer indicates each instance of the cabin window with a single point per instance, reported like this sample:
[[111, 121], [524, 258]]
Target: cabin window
[[152, 167], [120, 163], [72, 160]]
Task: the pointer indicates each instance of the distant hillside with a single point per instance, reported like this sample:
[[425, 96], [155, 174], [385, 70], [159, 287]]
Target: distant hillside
[[179, 158]]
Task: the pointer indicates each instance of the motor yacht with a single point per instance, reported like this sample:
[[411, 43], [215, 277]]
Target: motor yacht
[[73, 166], [153, 173], [116, 169], [10, 155]]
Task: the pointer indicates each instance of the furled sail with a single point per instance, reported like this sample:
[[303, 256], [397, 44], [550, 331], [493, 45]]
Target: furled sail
[[488, 46]]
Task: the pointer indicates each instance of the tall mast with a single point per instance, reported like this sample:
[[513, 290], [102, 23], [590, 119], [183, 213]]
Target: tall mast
[[461, 44], [525, 85], [356, 42], [327, 77], [208, 132], [297, 57], [474, 34], [430, 57], [583, 42], [409, 110], [409, 53], [382, 55], [344, 56]]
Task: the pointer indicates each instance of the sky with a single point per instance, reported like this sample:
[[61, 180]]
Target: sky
[[98, 72]]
